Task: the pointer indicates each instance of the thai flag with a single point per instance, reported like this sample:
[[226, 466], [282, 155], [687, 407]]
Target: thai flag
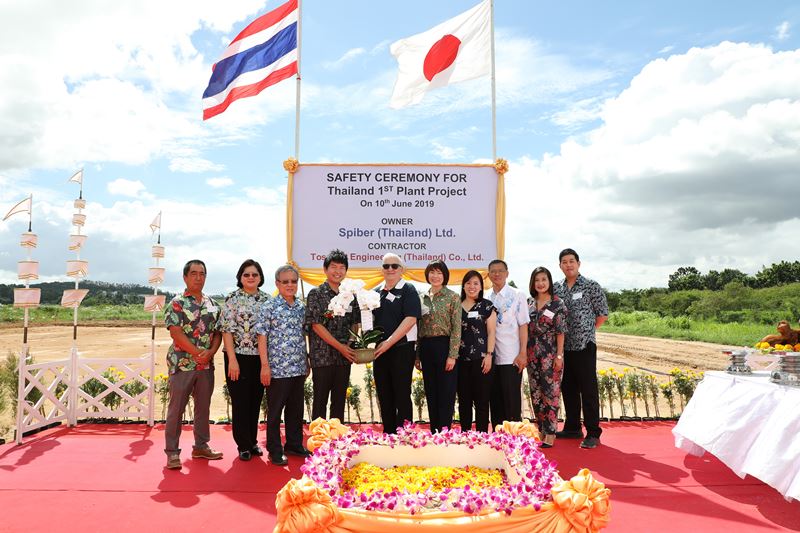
[[264, 53]]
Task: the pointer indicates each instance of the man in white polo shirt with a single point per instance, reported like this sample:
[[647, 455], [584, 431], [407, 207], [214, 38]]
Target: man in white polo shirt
[[511, 343]]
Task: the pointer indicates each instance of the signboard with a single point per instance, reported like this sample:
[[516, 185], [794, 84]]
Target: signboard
[[419, 212]]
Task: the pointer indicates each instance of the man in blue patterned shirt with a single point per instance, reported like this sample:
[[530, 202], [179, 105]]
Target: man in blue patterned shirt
[[587, 310], [284, 365]]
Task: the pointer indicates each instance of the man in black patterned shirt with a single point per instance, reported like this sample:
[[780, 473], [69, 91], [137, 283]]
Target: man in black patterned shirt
[[587, 310], [329, 352]]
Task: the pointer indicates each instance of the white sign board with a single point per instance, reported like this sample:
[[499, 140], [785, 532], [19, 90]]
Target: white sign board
[[419, 212]]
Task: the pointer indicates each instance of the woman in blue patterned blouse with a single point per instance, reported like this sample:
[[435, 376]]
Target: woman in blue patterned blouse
[[545, 352], [242, 364]]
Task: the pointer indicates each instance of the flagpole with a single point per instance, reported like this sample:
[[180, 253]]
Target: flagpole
[[297, 93], [30, 216], [494, 97]]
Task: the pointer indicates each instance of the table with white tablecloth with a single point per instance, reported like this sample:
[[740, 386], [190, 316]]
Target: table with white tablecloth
[[750, 424]]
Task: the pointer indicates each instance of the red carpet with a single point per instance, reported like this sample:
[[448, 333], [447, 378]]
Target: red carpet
[[101, 477]]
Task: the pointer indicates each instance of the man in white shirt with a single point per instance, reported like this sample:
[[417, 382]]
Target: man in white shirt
[[511, 343]]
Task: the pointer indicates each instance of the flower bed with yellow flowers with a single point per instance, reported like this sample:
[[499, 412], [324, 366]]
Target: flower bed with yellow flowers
[[530, 474], [351, 484], [366, 478]]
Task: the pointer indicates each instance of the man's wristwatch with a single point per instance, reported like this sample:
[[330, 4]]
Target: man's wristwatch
[[559, 356]]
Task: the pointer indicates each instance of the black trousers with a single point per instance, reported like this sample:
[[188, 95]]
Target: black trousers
[[246, 395], [473, 390], [392, 372], [579, 389], [285, 393], [330, 381], [505, 401], [440, 385]]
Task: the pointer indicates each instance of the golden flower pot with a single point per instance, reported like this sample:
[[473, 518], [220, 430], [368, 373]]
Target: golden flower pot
[[365, 355]]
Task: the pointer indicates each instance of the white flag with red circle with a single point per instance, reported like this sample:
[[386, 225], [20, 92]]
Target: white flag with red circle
[[456, 50]]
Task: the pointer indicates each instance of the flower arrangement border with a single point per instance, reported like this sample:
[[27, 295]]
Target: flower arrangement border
[[537, 475], [543, 502]]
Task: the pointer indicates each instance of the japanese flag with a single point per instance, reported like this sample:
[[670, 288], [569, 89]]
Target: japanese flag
[[456, 50]]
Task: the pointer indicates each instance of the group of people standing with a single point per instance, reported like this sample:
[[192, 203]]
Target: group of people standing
[[264, 348], [477, 346], [474, 346]]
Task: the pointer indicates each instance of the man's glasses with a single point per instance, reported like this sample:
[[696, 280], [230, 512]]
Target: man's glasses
[[251, 275], [287, 281], [393, 266]]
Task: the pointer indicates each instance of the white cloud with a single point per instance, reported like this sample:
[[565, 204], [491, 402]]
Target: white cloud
[[123, 187], [578, 113], [347, 57], [666, 49], [782, 31], [219, 183], [448, 153], [381, 47], [128, 100], [687, 168], [118, 248], [194, 165]]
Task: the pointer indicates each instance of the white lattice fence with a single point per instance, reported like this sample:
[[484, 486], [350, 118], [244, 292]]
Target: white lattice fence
[[79, 388], [113, 388], [43, 395]]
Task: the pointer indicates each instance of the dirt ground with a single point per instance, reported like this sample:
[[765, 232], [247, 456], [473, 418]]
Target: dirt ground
[[47, 343]]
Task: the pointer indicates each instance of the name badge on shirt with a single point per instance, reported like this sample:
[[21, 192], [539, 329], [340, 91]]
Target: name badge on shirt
[[390, 296], [548, 313], [473, 314], [577, 296]]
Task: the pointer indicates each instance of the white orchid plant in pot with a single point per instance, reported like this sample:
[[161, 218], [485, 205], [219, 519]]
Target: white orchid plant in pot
[[367, 336]]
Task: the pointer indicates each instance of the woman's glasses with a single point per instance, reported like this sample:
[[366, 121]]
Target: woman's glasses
[[393, 266], [250, 275]]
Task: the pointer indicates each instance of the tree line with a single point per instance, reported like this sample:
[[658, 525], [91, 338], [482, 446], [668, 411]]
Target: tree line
[[100, 293], [727, 296], [687, 278]]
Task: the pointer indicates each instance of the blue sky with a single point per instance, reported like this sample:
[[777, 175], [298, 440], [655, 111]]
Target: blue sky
[[647, 135]]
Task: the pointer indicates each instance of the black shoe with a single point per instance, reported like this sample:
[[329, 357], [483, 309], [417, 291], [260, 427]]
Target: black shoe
[[300, 452], [257, 451], [590, 443], [278, 460], [569, 434], [244, 455]]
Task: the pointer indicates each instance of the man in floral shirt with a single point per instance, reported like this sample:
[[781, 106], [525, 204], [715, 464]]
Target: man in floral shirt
[[191, 319], [330, 355], [587, 310], [284, 365]]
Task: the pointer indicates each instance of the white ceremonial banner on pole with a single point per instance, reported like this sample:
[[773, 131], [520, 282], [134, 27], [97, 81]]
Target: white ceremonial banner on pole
[[420, 212]]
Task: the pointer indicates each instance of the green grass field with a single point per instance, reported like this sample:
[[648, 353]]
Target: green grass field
[[48, 314], [648, 324], [643, 323]]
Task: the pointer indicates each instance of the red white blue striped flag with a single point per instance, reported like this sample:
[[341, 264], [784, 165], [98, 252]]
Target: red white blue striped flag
[[264, 53]]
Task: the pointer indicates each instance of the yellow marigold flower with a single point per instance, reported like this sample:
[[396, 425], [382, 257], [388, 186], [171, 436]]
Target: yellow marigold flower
[[367, 478], [349, 391]]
